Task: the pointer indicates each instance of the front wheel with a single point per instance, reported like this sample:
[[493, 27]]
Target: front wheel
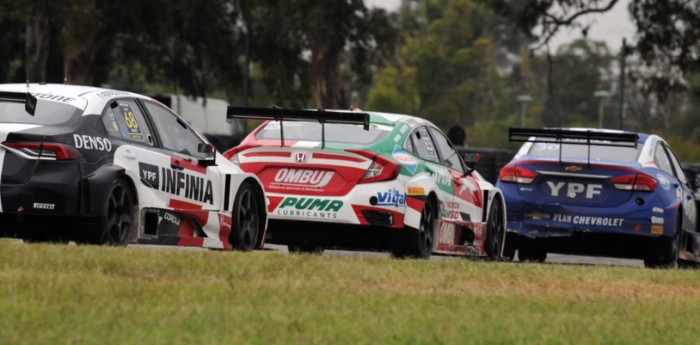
[[495, 232], [246, 227]]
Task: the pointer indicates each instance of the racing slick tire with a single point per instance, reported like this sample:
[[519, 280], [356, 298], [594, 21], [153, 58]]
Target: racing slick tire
[[117, 226], [532, 255], [247, 223], [417, 243], [664, 251], [495, 232]]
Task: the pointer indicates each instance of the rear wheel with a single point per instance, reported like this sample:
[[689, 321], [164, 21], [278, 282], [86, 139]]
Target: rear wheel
[[532, 255], [664, 252], [495, 232], [247, 222], [116, 227], [417, 243]]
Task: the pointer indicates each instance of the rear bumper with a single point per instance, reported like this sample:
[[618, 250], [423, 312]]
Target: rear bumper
[[589, 244]]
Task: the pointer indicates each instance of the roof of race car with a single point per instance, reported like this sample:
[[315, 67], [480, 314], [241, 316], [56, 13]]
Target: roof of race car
[[90, 99]]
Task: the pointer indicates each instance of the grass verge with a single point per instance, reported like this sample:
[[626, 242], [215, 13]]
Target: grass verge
[[97, 295]]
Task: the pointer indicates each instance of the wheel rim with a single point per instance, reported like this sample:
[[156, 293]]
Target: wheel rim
[[119, 210], [248, 218], [495, 232], [426, 229]]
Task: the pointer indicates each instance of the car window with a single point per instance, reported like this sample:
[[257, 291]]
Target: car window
[[661, 159], [425, 148], [335, 132], [676, 166], [408, 145], [173, 132], [449, 155], [46, 113], [123, 119]]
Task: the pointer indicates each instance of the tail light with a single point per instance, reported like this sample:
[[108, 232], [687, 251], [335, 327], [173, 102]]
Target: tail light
[[38, 150], [381, 169], [232, 153], [516, 174], [638, 182]]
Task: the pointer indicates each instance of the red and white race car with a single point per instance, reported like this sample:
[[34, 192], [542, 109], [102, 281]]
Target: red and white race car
[[354, 180]]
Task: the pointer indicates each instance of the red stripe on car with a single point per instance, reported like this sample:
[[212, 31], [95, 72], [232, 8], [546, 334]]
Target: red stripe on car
[[187, 164]]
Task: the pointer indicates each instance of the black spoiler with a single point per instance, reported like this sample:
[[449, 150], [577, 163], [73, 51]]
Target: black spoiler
[[281, 115], [573, 137]]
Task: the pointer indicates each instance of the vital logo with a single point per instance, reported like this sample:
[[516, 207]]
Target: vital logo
[[88, 142], [177, 183], [309, 207], [303, 177], [391, 197], [574, 189]]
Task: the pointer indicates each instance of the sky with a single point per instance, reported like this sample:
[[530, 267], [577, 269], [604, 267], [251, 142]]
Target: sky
[[610, 27]]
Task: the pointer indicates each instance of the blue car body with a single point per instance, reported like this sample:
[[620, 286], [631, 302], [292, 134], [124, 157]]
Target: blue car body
[[598, 192]]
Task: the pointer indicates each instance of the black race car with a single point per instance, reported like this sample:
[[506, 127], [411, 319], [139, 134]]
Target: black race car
[[109, 167]]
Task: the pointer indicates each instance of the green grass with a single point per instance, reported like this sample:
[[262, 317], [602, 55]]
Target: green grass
[[97, 295]]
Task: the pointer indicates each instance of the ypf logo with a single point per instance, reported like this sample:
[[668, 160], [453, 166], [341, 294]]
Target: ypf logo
[[300, 157]]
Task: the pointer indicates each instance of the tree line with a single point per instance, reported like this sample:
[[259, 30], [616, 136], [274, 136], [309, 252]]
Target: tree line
[[464, 61]]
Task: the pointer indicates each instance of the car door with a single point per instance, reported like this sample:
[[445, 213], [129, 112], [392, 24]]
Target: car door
[[177, 174], [684, 191], [137, 152]]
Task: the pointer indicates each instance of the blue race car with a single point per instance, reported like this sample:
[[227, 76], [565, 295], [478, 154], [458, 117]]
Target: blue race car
[[598, 192]]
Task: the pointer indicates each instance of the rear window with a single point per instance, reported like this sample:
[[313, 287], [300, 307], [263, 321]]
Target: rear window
[[580, 152], [47, 113], [335, 132]]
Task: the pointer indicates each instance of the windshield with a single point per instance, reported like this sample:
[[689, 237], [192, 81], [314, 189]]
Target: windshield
[[580, 152], [47, 113], [335, 132]]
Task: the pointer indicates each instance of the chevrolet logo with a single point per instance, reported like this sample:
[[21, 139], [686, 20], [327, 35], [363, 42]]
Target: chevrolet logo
[[573, 168]]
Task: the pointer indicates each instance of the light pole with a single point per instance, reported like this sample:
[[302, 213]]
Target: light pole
[[603, 95], [524, 100]]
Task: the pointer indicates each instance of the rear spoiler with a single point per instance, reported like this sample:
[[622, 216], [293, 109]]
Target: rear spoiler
[[573, 137], [281, 115]]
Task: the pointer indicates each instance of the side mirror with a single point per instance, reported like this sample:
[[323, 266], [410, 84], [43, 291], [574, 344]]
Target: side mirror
[[211, 154], [472, 159], [205, 148]]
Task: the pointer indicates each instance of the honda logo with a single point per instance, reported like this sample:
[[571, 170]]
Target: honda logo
[[300, 157]]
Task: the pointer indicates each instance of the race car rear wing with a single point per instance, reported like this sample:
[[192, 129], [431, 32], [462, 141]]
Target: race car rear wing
[[281, 115], [573, 137]]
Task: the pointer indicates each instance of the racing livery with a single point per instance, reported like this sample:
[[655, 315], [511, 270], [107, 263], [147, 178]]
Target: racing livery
[[598, 192], [110, 167], [354, 180]]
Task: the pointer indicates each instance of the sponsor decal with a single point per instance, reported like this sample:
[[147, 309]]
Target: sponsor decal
[[407, 160], [391, 197], [657, 229], [111, 93], [537, 215], [397, 138], [309, 207], [312, 178], [56, 98], [588, 220], [449, 209], [657, 220], [574, 189], [416, 190], [657, 210], [43, 206], [177, 182], [171, 218], [89, 142], [441, 175]]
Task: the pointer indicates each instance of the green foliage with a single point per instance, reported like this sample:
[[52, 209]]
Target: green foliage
[[447, 61]]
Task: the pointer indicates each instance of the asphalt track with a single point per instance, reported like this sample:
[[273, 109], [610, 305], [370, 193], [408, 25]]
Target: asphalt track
[[551, 258]]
